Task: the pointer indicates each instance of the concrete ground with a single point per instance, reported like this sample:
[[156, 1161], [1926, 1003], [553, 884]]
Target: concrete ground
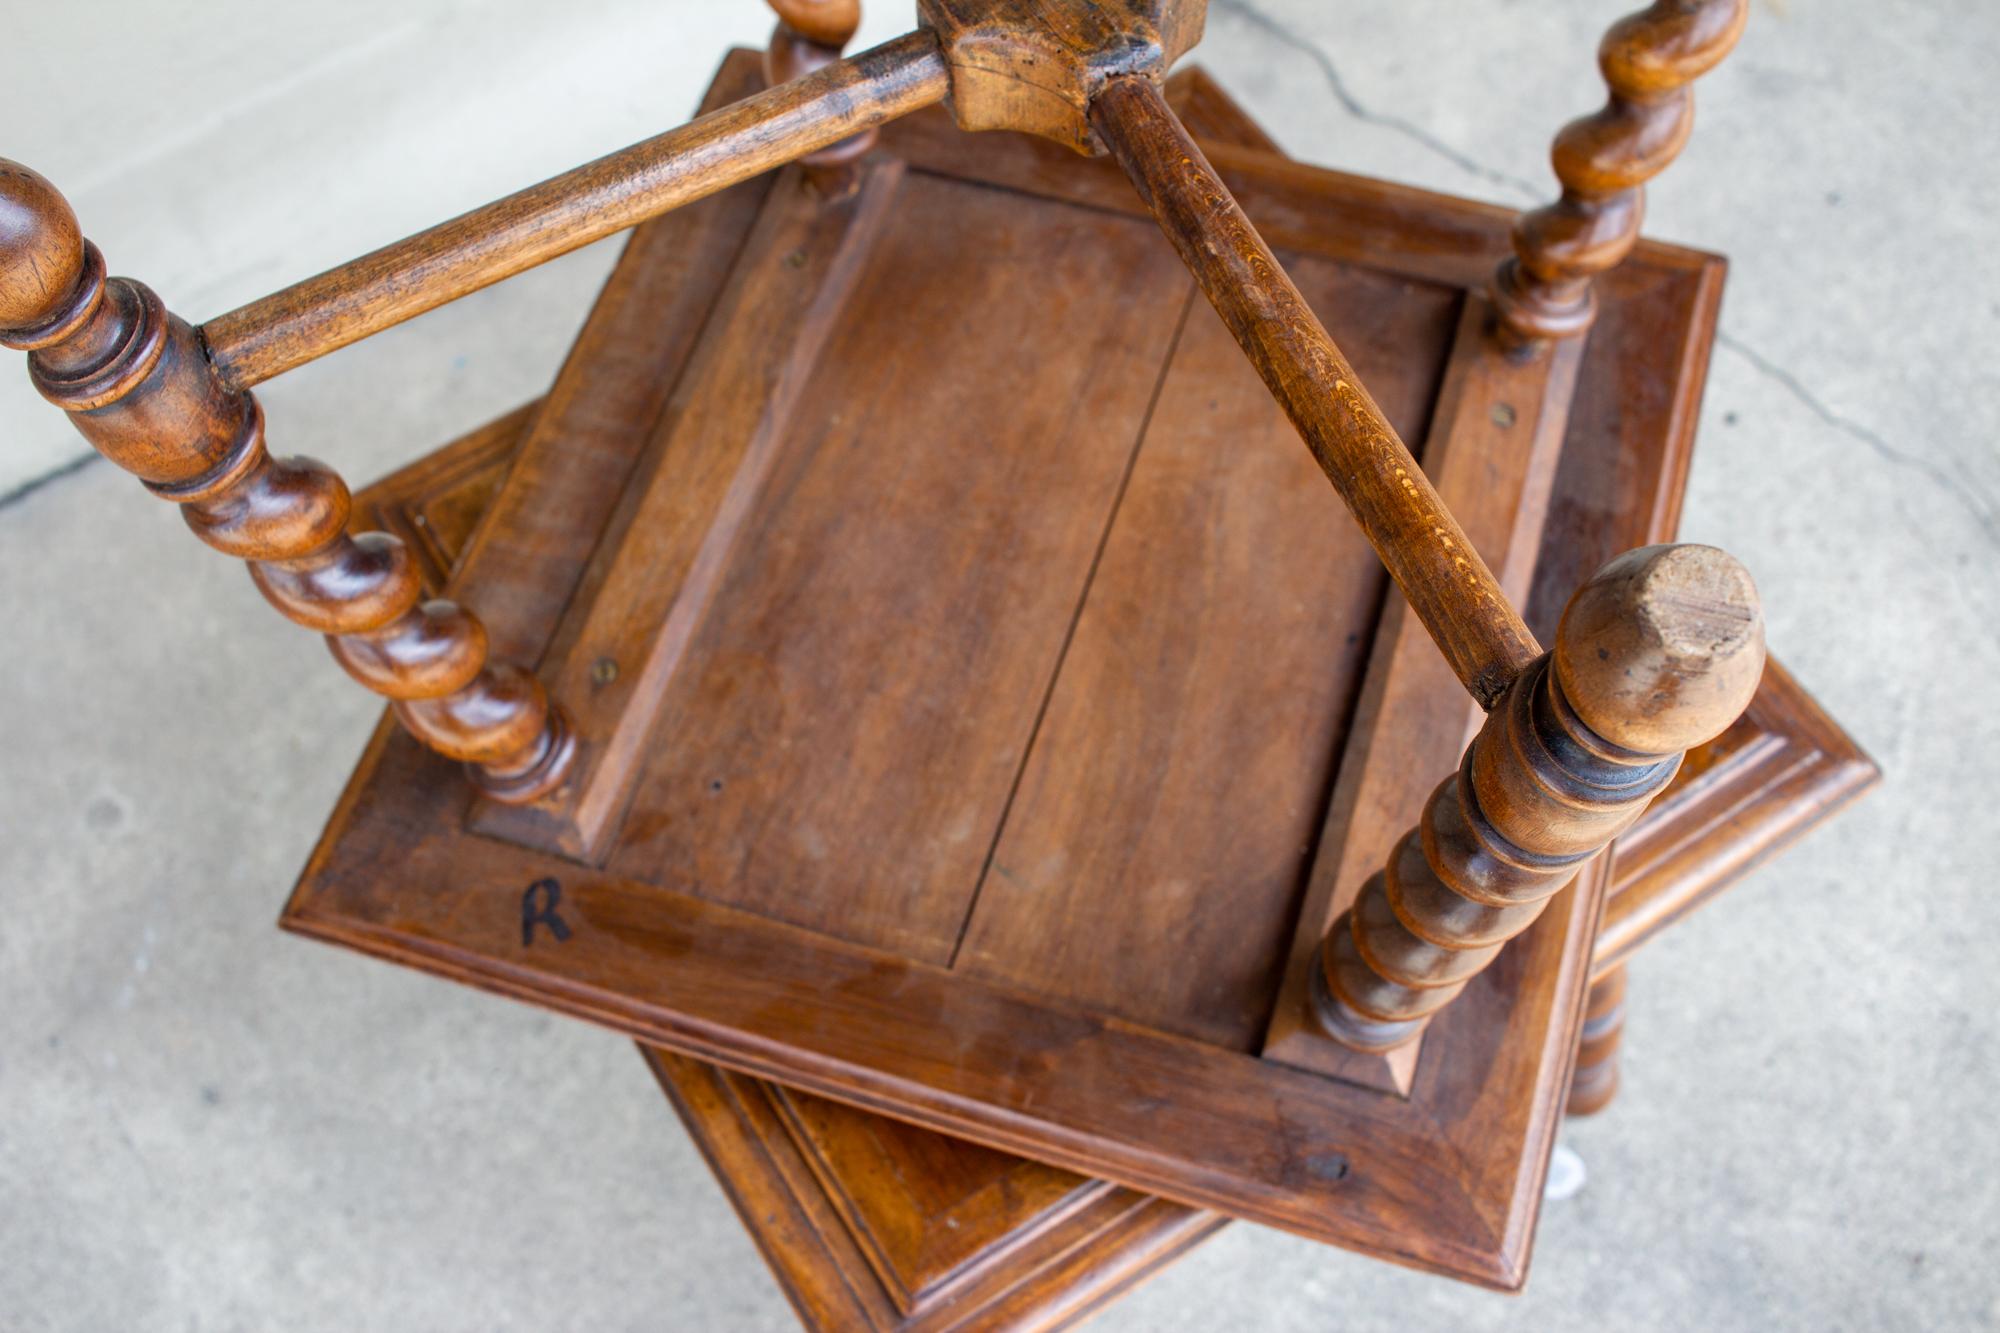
[[207, 1125]]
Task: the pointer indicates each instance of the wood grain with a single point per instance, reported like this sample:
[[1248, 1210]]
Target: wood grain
[[1186, 752], [880, 652], [1015, 1254], [1422, 546], [1493, 451], [680, 518], [1663, 648], [809, 37], [1446, 1178]]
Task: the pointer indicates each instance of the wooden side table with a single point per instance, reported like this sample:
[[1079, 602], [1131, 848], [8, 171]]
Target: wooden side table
[[1029, 748], [871, 1222]]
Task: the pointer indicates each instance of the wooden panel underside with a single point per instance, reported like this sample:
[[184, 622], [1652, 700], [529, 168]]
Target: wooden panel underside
[[1186, 750], [837, 749], [870, 1222], [1133, 1081]]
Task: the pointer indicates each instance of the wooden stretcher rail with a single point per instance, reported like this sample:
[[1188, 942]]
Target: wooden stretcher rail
[[401, 281], [1448, 585]]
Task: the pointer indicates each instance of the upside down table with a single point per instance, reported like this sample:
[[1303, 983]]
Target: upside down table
[[1024, 748], [872, 1222]]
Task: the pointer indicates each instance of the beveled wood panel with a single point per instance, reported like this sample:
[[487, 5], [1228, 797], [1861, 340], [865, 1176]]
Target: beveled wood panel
[[1096, 1242], [692, 500], [842, 754]]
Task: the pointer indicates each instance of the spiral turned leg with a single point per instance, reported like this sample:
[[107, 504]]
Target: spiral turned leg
[[1659, 651], [810, 35], [1604, 160], [1595, 1080], [138, 384]]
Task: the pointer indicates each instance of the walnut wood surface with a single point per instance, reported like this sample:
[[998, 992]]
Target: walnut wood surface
[[1603, 161], [137, 383], [730, 144], [740, 395], [1446, 1179], [1256, 733], [1431, 559], [1042, 1257]]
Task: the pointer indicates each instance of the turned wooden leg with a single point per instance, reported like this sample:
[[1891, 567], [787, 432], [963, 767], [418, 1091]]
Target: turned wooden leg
[[811, 35], [1659, 651], [1604, 160], [1595, 1080], [138, 383]]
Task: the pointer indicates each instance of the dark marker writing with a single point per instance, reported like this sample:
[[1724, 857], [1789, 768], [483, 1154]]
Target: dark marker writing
[[538, 906]]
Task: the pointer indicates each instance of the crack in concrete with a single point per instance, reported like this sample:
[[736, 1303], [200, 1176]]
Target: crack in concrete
[[1976, 502], [1981, 506], [1361, 111], [53, 475]]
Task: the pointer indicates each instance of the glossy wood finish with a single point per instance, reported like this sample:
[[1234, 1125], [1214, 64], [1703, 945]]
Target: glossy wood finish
[[135, 380], [1603, 161], [1658, 652], [724, 935], [730, 144], [1431, 559]]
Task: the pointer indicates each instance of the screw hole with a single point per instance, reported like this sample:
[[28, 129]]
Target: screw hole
[[1328, 1166]]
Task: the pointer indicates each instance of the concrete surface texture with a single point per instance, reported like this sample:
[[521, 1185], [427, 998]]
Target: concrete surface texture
[[207, 1125]]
